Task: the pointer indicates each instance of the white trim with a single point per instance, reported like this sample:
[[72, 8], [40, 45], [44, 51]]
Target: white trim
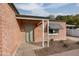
[[43, 33], [53, 34], [28, 18], [48, 32]]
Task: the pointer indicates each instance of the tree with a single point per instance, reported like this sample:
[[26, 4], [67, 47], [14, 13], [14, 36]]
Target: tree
[[76, 20], [60, 17], [69, 19]]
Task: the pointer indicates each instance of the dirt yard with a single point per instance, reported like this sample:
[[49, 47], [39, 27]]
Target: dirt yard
[[57, 47]]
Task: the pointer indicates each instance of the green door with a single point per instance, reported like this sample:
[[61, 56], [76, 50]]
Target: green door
[[29, 34]]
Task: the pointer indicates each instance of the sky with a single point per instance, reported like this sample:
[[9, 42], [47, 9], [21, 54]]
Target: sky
[[46, 9]]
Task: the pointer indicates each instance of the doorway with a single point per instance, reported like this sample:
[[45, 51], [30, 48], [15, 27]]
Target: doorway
[[29, 34]]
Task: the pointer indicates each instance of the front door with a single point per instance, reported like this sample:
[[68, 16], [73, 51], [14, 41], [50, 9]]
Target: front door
[[29, 34]]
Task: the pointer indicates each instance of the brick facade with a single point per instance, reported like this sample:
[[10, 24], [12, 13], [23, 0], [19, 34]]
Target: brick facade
[[12, 31], [61, 35], [11, 34], [0, 35]]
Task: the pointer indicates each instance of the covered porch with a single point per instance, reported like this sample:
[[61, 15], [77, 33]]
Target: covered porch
[[30, 25]]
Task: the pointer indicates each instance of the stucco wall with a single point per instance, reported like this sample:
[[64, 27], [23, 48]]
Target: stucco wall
[[11, 34]]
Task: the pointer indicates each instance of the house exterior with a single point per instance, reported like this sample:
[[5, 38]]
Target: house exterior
[[16, 28]]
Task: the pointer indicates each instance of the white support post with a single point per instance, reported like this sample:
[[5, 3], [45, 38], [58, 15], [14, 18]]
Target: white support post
[[42, 33], [48, 32]]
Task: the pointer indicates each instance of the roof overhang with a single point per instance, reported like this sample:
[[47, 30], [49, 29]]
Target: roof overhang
[[55, 26], [13, 8], [28, 17]]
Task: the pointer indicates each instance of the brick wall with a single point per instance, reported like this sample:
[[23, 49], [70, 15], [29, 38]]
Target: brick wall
[[62, 32], [0, 35], [11, 33], [61, 35]]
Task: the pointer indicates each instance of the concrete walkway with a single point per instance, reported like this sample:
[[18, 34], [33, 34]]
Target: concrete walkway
[[73, 38], [27, 49], [68, 53]]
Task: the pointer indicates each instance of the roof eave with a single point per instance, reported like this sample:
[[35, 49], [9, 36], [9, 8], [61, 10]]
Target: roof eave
[[30, 17], [13, 8]]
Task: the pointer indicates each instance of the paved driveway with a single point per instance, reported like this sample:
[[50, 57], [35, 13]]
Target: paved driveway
[[68, 53]]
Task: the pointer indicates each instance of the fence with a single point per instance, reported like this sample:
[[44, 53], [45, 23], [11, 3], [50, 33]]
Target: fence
[[73, 32]]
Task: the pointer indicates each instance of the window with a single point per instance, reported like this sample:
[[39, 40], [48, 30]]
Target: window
[[53, 31]]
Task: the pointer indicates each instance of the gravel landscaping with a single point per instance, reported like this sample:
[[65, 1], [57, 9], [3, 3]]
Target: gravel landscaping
[[57, 47]]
